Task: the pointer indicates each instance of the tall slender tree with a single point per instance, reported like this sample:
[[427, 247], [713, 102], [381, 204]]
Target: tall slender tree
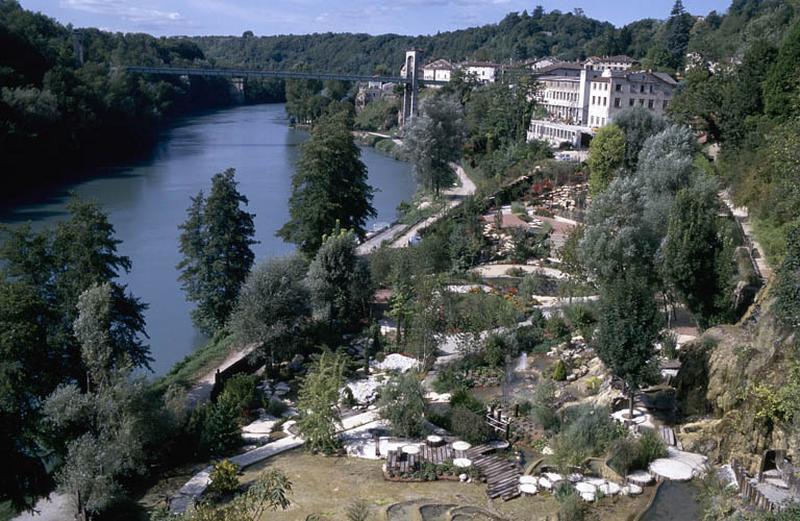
[[215, 242], [329, 187]]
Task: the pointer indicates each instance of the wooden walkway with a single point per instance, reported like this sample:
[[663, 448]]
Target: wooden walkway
[[502, 475], [399, 462]]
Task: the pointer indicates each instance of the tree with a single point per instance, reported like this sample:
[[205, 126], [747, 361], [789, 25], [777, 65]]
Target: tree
[[61, 263], [617, 239], [339, 279], [434, 140], [782, 86], [26, 377], [695, 261], [318, 401], [628, 329], [637, 124], [273, 306], [215, 242], [677, 34], [402, 403], [105, 439], [329, 187], [787, 282], [606, 156]]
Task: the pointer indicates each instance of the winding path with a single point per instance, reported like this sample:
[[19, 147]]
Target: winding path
[[398, 235]]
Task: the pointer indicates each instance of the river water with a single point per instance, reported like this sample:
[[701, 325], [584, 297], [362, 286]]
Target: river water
[[146, 201]]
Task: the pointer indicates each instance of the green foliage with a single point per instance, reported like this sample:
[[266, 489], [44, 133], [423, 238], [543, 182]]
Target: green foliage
[[629, 453], [463, 398], [273, 307], [318, 402], [433, 140], [651, 447], [782, 86], [215, 426], [586, 431], [571, 506], [582, 316], [543, 404], [559, 371], [377, 115], [329, 187], [241, 391], [215, 243], [339, 280], [697, 263], [637, 124], [224, 478], [468, 426], [402, 403], [79, 108], [606, 156], [787, 282], [628, 329]]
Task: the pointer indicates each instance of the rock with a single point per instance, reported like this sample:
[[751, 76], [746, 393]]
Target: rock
[[588, 496], [462, 477], [545, 483], [397, 362], [631, 490], [572, 377], [609, 488], [297, 362]]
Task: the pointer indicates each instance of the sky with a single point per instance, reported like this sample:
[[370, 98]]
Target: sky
[[268, 17]]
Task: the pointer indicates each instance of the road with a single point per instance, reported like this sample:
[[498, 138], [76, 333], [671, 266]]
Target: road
[[399, 235]]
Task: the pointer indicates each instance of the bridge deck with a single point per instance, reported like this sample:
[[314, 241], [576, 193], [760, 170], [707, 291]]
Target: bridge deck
[[253, 73]]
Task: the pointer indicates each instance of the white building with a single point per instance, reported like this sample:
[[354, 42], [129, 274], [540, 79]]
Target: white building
[[437, 70], [485, 72], [576, 106], [615, 63]]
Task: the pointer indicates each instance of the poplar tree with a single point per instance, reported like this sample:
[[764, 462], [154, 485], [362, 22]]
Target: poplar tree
[[215, 242], [329, 187], [318, 400]]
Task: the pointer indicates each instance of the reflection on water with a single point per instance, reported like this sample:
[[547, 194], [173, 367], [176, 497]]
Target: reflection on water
[[147, 200]]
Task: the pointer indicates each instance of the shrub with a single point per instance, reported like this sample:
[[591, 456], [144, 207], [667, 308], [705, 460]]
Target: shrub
[[560, 371], [581, 317], [469, 426], [224, 478], [669, 345], [215, 427], [593, 384], [544, 404], [570, 505], [624, 455], [528, 337], [276, 407], [556, 328], [450, 378], [242, 393], [515, 272], [650, 447], [462, 398], [586, 431], [359, 510], [496, 348], [402, 403]]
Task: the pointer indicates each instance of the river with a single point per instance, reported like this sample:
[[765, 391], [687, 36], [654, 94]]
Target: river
[[146, 201]]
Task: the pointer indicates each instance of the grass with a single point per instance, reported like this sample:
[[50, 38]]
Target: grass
[[772, 238], [195, 365]]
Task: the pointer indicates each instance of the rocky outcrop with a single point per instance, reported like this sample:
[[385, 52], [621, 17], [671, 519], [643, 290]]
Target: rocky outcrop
[[717, 372]]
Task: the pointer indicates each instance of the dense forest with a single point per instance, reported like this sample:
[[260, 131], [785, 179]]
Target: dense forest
[[518, 37], [63, 104]]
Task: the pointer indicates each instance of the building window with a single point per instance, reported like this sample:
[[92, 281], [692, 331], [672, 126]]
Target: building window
[[630, 102], [616, 102], [641, 102], [605, 101], [650, 104], [641, 89], [664, 104], [592, 100], [651, 89], [618, 87]]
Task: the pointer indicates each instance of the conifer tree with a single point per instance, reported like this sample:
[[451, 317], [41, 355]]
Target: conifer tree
[[215, 242]]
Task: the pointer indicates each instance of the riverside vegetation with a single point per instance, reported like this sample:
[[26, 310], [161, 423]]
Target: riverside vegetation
[[78, 417]]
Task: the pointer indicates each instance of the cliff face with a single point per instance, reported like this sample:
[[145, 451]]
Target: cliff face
[[718, 370]]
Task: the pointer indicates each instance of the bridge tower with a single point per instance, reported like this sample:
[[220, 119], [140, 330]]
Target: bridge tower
[[412, 71]]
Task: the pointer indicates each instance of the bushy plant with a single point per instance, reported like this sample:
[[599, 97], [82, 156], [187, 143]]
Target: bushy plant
[[557, 328], [496, 348], [242, 392], [586, 431], [570, 505], [560, 371], [402, 403], [581, 317], [462, 398], [650, 448], [215, 427], [528, 337], [276, 407], [543, 405], [224, 478], [469, 426]]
